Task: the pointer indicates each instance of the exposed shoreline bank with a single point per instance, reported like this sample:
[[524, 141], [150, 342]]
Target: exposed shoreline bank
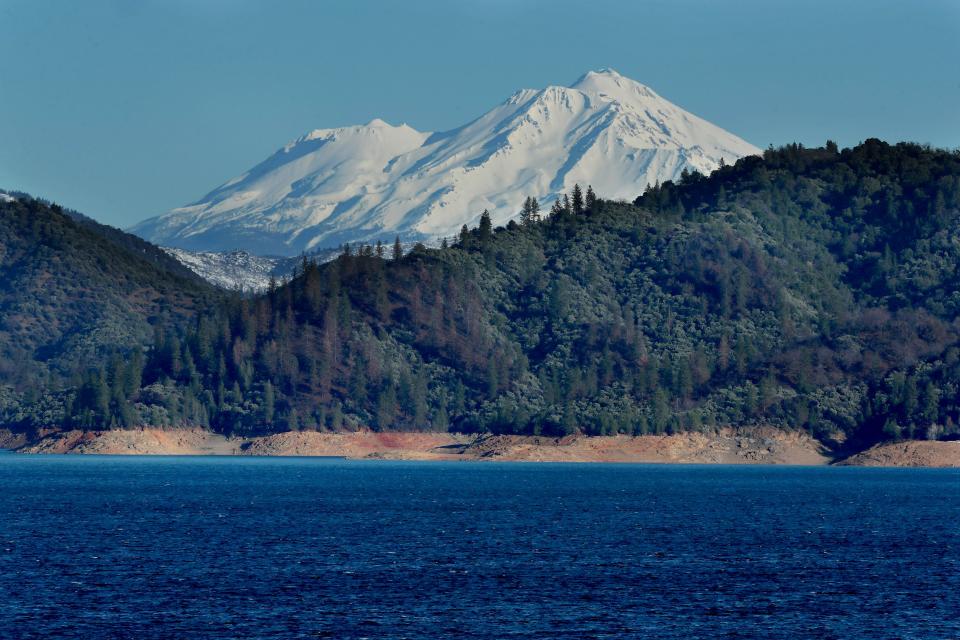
[[726, 446]]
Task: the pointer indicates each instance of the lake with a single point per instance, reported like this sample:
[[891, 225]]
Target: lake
[[153, 547]]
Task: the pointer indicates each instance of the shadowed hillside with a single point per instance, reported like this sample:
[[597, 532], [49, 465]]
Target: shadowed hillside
[[72, 292]]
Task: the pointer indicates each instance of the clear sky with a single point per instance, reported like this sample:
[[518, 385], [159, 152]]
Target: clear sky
[[124, 109]]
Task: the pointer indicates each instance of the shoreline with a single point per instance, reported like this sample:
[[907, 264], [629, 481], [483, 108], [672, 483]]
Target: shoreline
[[754, 446]]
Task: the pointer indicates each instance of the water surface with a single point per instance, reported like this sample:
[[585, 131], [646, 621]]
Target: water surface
[[153, 547]]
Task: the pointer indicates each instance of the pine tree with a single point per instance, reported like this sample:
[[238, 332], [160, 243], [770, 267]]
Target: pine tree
[[768, 392], [751, 399], [525, 212], [100, 395], [269, 403], [568, 421], [493, 383], [486, 226], [930, 404], [173, 363], [397, 248], [557, 209], [381, 298], [459, 398], [336, 422], [386, 407], [591, 199], [133, 377], [379, 249], [419, 400], [531, 211], [577, 200], [661, 412], [441, 421]]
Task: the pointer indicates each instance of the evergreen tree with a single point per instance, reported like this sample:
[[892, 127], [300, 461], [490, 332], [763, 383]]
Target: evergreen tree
[[292, 422], [397, 248], [386, 407], [557, 209], [485, 229], [591, 199], [530, 214], [269, 403], [441, 420], [336, 421], [525, 212], [577, 200]]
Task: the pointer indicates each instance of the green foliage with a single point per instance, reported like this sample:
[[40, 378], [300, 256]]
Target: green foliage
[[812, 289], [78, 297]]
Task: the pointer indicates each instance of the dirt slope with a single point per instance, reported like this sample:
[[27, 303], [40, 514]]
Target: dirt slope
[[136, 441], [913, 453], [759, 446]]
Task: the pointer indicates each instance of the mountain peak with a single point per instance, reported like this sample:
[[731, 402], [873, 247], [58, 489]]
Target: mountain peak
[[602, 71], [375, 181], [608, 82]]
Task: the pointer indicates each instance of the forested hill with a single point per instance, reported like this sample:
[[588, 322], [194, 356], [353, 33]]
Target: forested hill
[[126, 242], [812, 289], [72, 291]]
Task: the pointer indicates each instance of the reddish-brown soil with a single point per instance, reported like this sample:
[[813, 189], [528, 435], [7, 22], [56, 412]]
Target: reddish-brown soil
[[913, 453], [725, 446]]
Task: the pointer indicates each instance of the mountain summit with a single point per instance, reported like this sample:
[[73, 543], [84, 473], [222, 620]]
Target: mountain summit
[[370, 182]]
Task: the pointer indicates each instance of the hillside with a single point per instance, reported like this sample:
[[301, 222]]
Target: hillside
[[72, 293], [374, 181], [808, 289]]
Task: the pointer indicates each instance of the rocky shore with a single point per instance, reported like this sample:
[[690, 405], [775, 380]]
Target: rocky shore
[[725, 446]]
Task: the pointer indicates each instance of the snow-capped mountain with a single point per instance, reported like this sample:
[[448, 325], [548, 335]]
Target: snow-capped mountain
[[371, 182]]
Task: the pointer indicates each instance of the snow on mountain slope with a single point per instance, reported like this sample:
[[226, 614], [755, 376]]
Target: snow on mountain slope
[[235, 270], [371, 182], [240, 270]]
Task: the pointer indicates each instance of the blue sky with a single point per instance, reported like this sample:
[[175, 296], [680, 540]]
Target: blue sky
[[126, 109]]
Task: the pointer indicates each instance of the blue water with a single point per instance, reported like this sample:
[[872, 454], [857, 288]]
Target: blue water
[[94, 547]]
